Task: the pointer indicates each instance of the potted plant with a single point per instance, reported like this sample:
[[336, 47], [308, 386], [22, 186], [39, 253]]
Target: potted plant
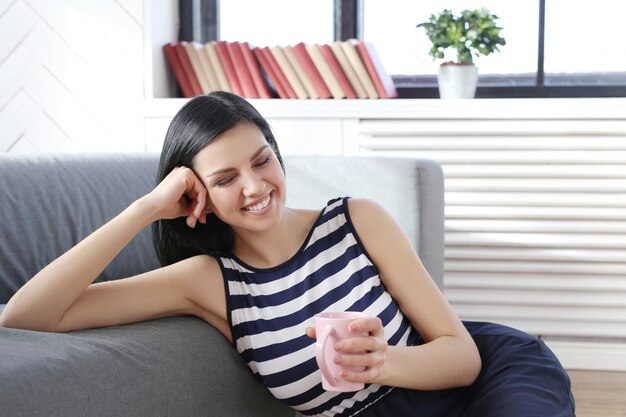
[[472, 33]]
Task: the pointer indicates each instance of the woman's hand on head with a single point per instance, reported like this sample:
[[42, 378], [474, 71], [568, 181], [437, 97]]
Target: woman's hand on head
[[180, 194], [369, 351]]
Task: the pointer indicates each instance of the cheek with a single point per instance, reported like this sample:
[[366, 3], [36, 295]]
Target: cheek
[[222, 199], [278, 176]]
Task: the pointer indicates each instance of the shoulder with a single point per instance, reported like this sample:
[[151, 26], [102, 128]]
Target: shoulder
[[197, 267], [200, 270], [379, 233], [368, 216], [204, 287]]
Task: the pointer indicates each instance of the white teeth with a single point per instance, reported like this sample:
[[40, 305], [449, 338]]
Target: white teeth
[[259, 206]]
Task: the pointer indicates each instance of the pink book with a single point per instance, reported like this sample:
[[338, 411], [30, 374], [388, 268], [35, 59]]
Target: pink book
[[255, 72], [181, 52], [245, 79], [227, 64], [382, 81], [177, 68], [282, 78], [328, 54], [269, 72], [311, 70]]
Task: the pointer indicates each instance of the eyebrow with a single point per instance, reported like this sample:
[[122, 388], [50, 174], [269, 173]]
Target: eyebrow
[[252, 158]]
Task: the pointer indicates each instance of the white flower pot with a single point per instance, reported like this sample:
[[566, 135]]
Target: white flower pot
[[457, 80]]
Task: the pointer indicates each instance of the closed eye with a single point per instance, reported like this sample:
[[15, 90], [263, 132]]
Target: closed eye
[[263, 162], [224, 182]]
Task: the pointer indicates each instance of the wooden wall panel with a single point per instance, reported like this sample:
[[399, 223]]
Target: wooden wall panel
[[71, 76]]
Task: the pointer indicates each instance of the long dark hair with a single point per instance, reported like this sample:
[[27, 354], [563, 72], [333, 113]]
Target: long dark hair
[[192, 128]]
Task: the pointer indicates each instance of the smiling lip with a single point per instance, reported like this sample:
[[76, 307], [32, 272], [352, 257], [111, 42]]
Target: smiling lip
[[253, 208]]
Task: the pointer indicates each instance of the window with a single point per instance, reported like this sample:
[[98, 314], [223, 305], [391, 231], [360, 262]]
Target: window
[[404, 48], [553, 48], [580, 50], [276, 22]]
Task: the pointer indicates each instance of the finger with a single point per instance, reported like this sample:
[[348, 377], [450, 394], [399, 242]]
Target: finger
[[310, 331], [371, 325], [366, 376], [361, 344], [191, 221], [200, 199], [196, 191], [203, 215], [365, 360]]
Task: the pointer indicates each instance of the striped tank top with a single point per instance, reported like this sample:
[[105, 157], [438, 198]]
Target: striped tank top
[[270, 309]]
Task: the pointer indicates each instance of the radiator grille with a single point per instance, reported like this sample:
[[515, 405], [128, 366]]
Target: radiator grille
[[535, 217]]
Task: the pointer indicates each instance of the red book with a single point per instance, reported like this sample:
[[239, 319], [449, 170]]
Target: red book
[[311, 70], [269, 72], [181, 52], [382, 81], [255, 72], [177, 68], [328, 54], [282, 78], [234, 50], [227, 64]]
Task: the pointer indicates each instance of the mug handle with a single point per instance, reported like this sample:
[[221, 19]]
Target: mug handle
[[320, 353]]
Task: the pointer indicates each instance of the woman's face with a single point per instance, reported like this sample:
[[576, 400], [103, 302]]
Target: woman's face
[[244, 179]]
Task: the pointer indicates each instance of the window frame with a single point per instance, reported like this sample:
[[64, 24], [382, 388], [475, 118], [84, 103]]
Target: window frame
[[199, 21]]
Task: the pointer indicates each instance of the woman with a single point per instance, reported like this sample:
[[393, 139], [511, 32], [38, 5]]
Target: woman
[[235, 256]]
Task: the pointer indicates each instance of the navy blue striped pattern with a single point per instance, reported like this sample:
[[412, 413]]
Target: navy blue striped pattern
[[270, 309]]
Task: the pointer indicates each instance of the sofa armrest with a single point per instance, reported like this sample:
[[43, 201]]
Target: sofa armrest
[[178, 366]]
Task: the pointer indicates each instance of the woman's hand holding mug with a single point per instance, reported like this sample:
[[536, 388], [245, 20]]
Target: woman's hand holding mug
[[350, 349]]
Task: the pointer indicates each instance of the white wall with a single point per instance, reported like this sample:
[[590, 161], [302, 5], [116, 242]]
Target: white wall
[[71, 75]]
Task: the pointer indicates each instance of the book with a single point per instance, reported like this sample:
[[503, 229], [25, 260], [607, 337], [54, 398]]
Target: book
[[207, 67], [216, 64], [382, 81], [341, 77], [302, 54], [245, 79], [304, 79], [273, 79], [326, 73], [181, 78], [255, 72], [289, 72], [280, 75], [229, 70], [349, 47], [181, 52], [347, 69], [194, 58]]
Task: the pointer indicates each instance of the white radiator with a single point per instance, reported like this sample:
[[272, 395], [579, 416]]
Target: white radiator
[[535, 217]]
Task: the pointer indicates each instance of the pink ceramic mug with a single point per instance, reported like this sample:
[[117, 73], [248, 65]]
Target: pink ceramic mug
[[329, 328]]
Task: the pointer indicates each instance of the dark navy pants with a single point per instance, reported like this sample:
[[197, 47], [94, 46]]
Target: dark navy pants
[[520, 377]]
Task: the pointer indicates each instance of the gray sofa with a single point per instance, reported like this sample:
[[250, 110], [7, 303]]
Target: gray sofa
[[177, 366]]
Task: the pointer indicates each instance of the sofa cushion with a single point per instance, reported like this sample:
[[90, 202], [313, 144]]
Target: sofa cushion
[[177, 366], [50, 202]]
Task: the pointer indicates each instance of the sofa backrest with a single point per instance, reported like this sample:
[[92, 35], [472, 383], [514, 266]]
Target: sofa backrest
[[48, 203]]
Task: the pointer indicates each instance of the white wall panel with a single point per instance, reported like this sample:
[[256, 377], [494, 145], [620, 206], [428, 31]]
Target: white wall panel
[[80, 65]]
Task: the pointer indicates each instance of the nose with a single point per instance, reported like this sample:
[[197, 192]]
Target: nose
[[253, 184]]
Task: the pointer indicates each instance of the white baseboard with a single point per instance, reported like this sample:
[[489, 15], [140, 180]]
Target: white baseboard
[[590, 355]]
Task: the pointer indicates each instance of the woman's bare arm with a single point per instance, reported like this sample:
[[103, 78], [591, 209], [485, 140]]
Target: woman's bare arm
[[60, 297], [449, 358]]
